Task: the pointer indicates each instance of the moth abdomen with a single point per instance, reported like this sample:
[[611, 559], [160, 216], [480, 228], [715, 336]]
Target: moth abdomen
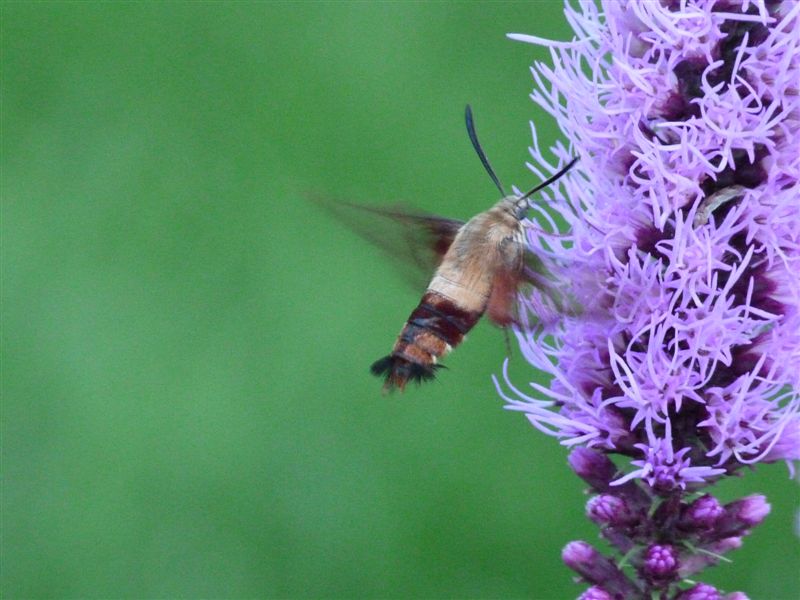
[[434, 328], [444, 318], [399, 370]]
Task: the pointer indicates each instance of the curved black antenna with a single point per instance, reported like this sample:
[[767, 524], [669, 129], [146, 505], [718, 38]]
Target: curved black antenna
[[550, 180], [473, 137]]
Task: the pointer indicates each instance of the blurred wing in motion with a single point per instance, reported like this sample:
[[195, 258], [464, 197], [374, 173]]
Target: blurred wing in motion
[[417, 241], [503, 306], [545, 292], [527, 294]]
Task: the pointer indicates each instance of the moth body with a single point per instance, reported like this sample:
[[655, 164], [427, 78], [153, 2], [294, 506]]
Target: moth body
[[477, 268], [478, 271]]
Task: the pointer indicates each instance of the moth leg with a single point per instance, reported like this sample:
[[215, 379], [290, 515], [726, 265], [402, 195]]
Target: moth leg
[[508, 341]]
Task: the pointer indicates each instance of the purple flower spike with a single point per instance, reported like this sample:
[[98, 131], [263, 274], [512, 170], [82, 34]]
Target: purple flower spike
[[682, 235], [675, 241], [660, 563]]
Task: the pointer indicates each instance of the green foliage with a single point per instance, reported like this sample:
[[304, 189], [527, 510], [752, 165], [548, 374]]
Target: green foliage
[[186, 405]]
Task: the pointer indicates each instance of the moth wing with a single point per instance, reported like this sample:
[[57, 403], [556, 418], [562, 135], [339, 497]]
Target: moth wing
[[526, 294], [416, 240], [502, 307], [547, 297]]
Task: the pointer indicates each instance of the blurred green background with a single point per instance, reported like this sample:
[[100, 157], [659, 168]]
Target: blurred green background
[[186, 405]]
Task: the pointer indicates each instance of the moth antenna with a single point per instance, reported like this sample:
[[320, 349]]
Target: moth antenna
[[473, 137], [550, 180]]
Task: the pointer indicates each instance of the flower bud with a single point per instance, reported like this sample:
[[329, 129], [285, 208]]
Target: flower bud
[[749, 511], [597, 569], [595, 593], [660, 563], [580, 557], [725, 545], [701, 591], [741, 515], [594, 468], [702, 514], [606, 509], [693, 563]]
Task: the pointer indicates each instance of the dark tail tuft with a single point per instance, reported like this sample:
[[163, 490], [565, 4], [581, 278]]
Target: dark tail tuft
[[398, 371]]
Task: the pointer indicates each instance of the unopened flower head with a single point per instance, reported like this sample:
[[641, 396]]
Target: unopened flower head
[[701, 591], [703, 513], [660, 562], [606, 509], [595, 593]]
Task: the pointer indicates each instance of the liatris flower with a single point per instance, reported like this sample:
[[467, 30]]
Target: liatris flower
[[678, 240]]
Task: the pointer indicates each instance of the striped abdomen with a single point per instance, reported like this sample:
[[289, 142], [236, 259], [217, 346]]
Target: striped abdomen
[[435, 327]]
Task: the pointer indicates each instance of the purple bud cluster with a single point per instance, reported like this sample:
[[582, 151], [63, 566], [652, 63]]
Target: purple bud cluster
[[665, 540]]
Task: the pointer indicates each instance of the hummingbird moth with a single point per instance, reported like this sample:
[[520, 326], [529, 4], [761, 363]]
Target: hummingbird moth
[[478, 267]]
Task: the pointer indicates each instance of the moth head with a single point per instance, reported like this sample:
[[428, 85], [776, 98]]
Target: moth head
[[520, 208], [515, 206]]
